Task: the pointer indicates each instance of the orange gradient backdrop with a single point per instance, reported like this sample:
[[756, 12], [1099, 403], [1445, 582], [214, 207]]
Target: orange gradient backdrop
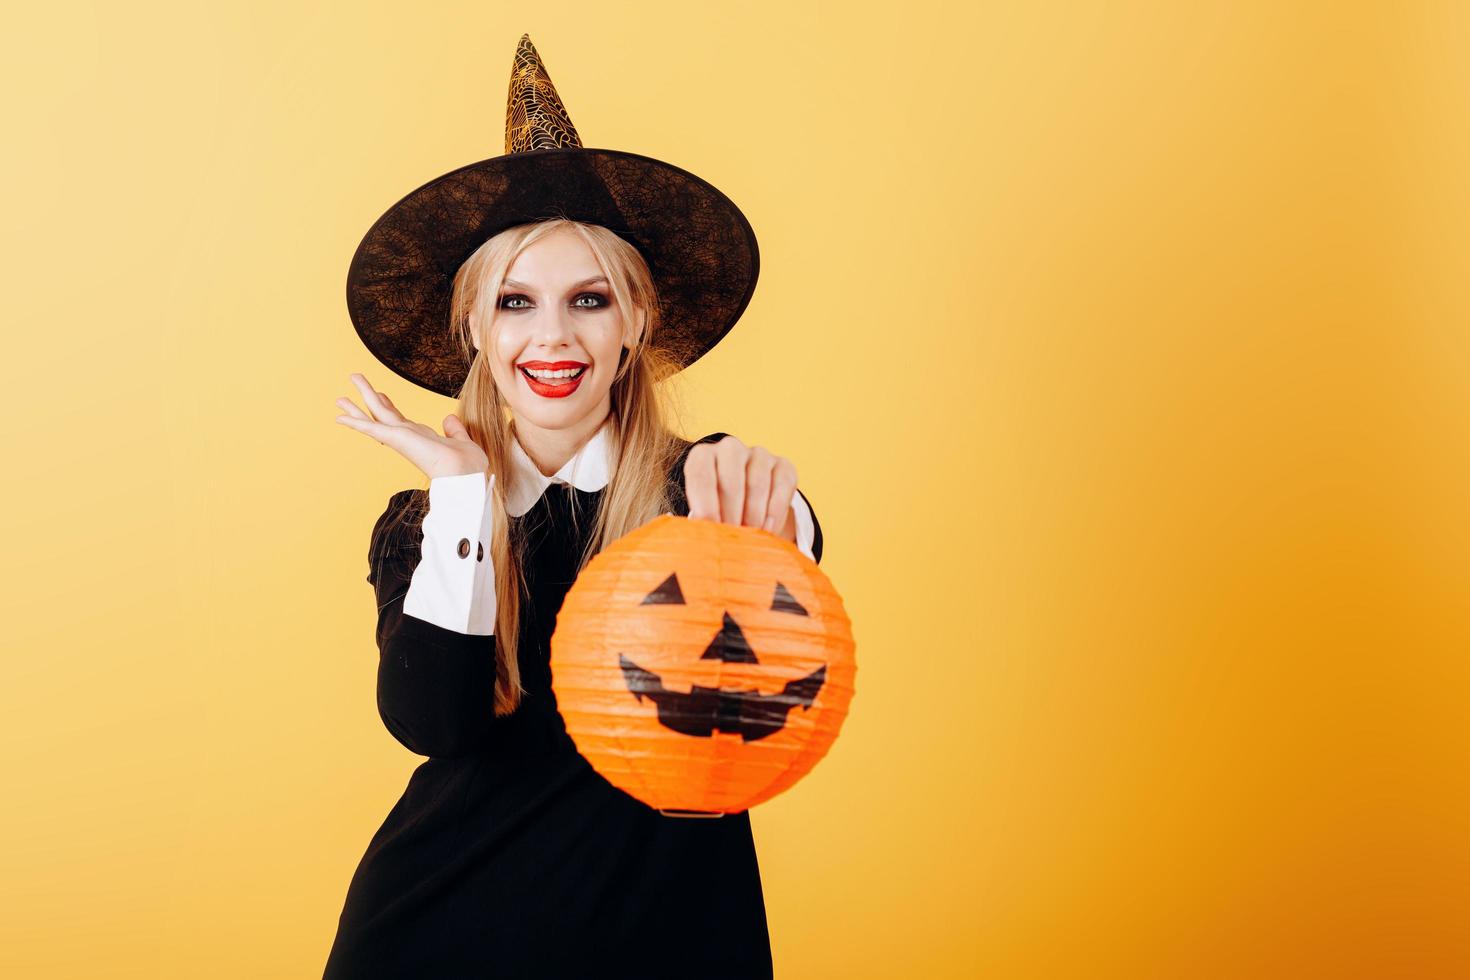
[[1121, 349]]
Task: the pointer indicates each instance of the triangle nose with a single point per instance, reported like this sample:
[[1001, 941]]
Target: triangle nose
[[729, 645]]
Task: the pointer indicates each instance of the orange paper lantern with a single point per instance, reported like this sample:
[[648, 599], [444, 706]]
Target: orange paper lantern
[[702, 667]]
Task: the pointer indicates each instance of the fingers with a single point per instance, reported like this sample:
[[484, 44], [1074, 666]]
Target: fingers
[[381, 418], [378, 430], [436, 455], [378, 403], [714, 480], [700, 487], [783, 489], [738, 484], [758, 465], [350, 407], [730, 458], [454, 428]]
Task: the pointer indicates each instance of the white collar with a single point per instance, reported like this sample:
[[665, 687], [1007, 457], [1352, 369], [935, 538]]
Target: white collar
[[587, 470]]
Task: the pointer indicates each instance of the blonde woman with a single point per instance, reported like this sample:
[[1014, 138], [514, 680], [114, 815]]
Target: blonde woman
[[507, 854], [551, 291]]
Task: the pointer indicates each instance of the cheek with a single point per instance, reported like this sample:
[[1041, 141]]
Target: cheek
[[607, 342], [505, 349]]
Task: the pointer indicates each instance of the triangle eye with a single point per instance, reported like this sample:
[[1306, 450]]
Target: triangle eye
[[784, 601], [668, 591]]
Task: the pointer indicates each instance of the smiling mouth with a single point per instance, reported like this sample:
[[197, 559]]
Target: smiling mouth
[[706, 710], [555, 381], [555, 377]]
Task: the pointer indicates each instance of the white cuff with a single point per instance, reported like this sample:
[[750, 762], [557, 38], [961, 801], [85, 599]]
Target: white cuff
[[805, 532], [453, 585]]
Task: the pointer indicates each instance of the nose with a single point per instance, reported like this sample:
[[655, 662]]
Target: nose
[[554, 327], [730, 644]]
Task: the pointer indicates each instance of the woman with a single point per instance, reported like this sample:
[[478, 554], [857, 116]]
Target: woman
[[507, 854]]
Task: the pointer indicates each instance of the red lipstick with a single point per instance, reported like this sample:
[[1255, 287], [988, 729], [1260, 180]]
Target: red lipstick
[[556, 387]]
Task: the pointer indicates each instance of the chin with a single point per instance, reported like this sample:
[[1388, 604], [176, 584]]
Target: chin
[[552, 419], [556, 413]]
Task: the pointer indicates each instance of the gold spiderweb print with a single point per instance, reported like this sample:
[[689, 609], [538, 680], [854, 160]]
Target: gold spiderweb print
[[535, 119], [699, 247]]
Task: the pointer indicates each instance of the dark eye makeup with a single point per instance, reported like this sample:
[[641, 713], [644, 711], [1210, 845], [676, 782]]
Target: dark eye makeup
[[602, 301]]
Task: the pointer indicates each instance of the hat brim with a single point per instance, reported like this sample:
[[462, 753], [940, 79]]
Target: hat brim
[[699, 246]]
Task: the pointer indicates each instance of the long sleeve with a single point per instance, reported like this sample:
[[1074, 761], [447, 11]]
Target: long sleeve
[[806, 525], [436, 686], [804, 511], [453, 585]]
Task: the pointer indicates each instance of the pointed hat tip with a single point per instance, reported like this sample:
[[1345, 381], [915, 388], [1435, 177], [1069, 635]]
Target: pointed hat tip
[[535, 118]]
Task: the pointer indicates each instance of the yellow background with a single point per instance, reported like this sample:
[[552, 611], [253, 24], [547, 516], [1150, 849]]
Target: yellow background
[[1121, 348]]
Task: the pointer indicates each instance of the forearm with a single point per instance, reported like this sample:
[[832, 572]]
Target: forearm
[[436, 687], [436, 617]]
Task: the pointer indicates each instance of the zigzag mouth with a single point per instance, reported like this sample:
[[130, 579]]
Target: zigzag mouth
[[705, 710]]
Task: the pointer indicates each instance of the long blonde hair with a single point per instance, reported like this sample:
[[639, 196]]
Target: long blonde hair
[[646, 447]]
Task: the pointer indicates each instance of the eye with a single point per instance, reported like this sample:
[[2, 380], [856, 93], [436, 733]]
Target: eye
[[667, 592], [599, 301], [784, 601]]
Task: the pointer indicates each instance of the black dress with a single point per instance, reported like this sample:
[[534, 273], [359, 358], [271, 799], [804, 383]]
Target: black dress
[[508, 855]]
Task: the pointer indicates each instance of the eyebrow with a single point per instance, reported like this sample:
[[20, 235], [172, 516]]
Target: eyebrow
[[576, 285]]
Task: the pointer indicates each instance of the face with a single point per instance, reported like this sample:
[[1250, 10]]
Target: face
[[557, 335]]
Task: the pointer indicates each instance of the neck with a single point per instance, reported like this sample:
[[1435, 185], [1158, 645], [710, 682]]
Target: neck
[[550, 449]]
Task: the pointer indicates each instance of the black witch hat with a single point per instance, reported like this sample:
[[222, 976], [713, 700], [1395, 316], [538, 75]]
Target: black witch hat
[[698, 245]]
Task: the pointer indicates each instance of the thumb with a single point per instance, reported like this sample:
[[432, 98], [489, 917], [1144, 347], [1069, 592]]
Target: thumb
[[454, 428]]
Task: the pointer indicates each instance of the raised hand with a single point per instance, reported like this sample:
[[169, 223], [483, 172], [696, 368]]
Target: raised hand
[[452, 454], [734, 483]]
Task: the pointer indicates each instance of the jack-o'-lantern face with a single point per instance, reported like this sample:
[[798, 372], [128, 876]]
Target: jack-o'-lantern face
[[702, 666], [743, 711]]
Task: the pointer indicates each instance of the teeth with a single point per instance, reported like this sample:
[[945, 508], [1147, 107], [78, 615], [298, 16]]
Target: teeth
[[545, 375]]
